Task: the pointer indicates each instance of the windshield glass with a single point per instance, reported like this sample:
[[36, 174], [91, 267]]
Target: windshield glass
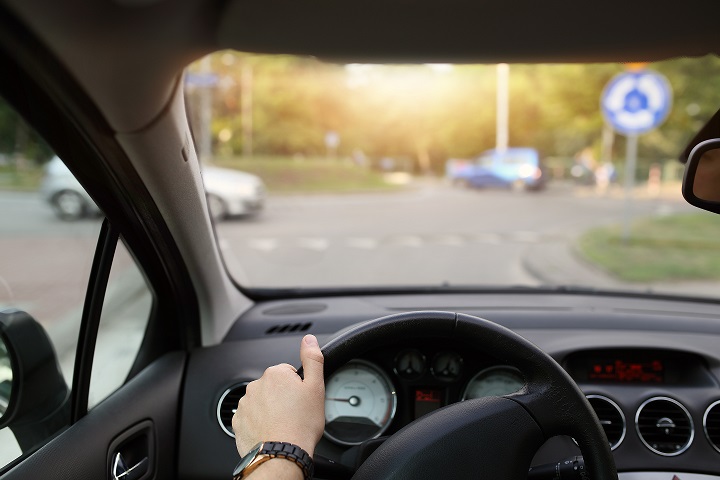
[[332, 176]]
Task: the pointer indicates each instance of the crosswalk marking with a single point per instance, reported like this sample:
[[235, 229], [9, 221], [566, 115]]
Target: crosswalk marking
[[406, 241], [263, 244], [450, 240], [319, 244], [362, 243], [492, 238], [316, 244], [525, 237]]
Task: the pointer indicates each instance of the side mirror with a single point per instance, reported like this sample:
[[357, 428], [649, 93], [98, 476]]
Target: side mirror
[[701, 183], [6, 378], [34, 398]]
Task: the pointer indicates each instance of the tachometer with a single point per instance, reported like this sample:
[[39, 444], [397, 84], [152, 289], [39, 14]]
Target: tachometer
[[494, 382], [360, 403]]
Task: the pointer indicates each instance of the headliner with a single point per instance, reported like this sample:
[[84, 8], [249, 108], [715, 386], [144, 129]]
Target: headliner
[[128, 54]]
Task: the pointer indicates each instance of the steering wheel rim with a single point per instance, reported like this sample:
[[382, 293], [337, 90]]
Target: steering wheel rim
[[550, 404]]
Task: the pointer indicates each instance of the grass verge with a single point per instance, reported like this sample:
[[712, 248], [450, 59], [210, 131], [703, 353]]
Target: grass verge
[[309, 175], [23, 180], [675, 247]]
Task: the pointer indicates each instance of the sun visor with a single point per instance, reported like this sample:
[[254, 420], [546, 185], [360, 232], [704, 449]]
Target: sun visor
[[472, 31]]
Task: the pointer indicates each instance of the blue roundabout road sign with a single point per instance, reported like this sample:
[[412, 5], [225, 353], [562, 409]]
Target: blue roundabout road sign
[[636, 102]]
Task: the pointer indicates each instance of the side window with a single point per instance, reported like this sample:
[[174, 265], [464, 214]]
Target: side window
[[49, 229], [125, 314]]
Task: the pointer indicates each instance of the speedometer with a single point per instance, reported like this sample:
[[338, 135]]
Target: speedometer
[[494, 382], [360, 403]]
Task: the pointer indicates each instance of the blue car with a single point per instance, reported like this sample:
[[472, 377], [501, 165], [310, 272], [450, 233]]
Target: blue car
[[512, 168]]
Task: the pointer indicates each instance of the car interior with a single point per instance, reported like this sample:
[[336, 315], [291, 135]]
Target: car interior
[[456, 380]]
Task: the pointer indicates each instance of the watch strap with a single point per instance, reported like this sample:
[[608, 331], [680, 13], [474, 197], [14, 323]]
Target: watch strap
[[287, 451]]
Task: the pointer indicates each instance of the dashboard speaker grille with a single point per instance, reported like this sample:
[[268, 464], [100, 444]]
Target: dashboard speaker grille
[[711, 423], [664, 426], [611, 418], [227, 405]]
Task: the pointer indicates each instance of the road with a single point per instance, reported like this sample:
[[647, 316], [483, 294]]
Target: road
[[434, 235]]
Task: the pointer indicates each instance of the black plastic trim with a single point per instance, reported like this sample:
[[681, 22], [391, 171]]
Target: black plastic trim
[[92, 311], [267, 294]]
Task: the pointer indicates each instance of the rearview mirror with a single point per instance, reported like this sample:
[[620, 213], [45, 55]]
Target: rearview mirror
[[701, 184]]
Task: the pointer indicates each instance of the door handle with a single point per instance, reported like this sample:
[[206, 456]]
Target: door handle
[[120, 470]]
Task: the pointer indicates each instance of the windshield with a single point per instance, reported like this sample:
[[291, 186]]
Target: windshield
[[331, 176]]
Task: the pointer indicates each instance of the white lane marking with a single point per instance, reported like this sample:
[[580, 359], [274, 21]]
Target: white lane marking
[[493, 238], [320, 244], [362, 242], [406, 241], [263, 244], [524, 237], [316, 244], [450, 240]]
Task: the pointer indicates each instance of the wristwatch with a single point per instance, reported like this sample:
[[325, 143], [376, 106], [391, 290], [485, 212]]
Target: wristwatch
[[264, 451]]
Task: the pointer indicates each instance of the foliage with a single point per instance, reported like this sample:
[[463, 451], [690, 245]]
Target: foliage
[[18, 142], [437, 112]]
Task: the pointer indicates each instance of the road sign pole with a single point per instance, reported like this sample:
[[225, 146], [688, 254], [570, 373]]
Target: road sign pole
[[634, 103], [630, 162]]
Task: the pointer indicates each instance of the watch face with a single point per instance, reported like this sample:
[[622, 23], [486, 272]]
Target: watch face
[[247, 459]]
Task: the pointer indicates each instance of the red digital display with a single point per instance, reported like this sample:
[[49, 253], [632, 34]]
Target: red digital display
[[652, 371], [427, 400], [427, 396]]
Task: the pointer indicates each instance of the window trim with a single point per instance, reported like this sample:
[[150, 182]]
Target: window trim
[[90, 323]]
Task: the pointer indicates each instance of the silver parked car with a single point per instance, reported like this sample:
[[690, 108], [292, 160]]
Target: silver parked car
[[230, 193]]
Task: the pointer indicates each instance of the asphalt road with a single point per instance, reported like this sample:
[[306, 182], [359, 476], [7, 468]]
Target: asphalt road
[[433, 235]]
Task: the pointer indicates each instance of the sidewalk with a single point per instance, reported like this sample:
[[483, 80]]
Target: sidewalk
[[557, 263]]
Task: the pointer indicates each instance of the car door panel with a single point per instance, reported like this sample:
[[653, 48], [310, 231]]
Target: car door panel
[[146, 408]]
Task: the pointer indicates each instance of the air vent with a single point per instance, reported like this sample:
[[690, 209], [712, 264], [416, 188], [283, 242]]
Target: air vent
[[611, 418], [664, 426], [288, 328], [711, 424], [227, 406]]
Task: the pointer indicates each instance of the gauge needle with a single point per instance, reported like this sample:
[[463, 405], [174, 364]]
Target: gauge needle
[[353, 401]]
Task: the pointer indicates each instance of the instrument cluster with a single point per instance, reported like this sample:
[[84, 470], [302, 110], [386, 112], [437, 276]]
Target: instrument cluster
[[386, 389]]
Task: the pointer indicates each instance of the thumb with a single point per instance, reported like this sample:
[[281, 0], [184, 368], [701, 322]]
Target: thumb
[[312, 359]]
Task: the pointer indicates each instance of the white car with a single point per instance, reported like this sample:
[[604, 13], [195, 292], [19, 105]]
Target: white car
[[230, 193]]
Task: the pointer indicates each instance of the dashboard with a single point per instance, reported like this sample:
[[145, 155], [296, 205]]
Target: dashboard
[[648, 366]]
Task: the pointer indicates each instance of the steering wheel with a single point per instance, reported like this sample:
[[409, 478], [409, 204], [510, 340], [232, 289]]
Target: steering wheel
[[492, 437]]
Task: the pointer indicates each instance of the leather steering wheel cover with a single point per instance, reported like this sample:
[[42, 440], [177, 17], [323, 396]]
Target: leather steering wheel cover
[[550, 396]]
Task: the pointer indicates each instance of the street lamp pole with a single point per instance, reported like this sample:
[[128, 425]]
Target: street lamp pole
[[503, 100]]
